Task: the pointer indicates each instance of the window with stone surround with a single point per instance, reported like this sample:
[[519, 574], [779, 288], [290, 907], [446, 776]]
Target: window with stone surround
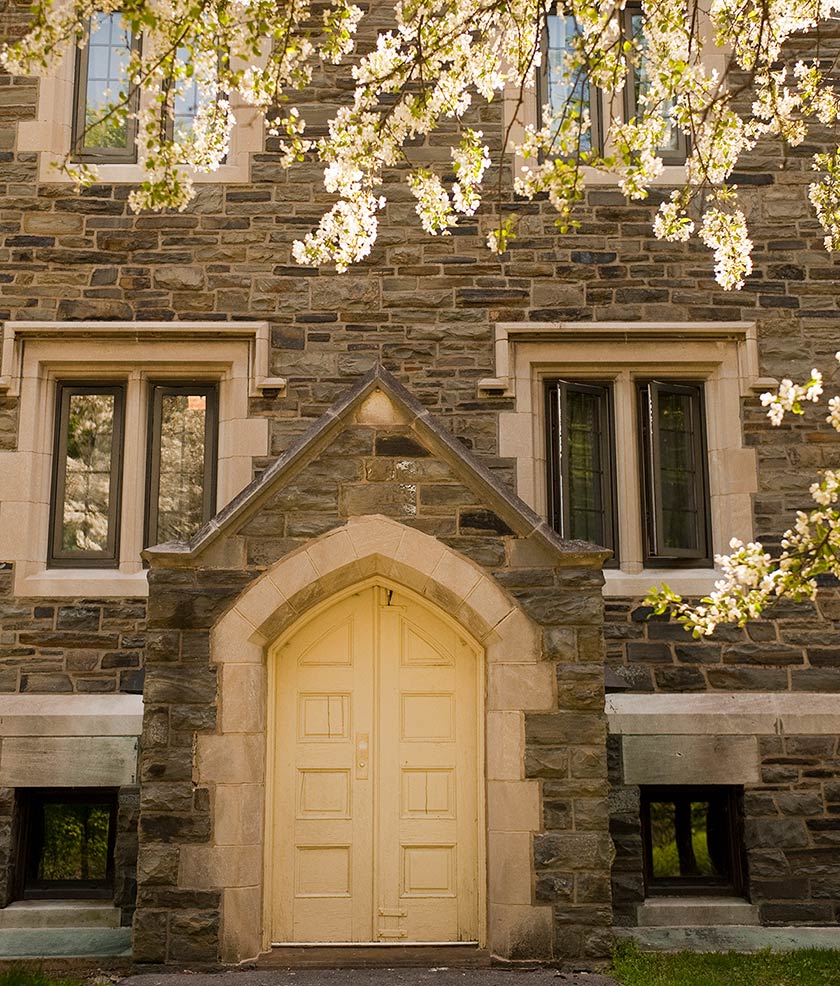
[[556, 90], [708, 366], [77, 86], [173, 397], [691, 840]]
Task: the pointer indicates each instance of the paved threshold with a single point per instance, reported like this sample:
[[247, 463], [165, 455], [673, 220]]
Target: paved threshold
[[426, 976]]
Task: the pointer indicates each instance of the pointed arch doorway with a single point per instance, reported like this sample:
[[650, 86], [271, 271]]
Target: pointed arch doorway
[[376, 789]]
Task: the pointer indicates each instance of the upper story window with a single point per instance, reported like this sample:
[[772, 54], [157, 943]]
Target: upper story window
[[88, 484], [668, 430], [575, 94], [101, 75]]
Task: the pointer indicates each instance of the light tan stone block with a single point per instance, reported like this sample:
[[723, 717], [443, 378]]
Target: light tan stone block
[[456, 574], [293, 573], [243, 698], [530, 687], [234, 640], [241, 924], [374, 535], [511, 870], [505, 746], [513, 806], [235, 758], [331, 551], [488, 602], [238, 814], [515, 641], [378, 409], [210, 867], [420, 551], [519, 931], [259, 601]]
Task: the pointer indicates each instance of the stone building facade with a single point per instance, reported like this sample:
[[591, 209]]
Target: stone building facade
[[382, 434]]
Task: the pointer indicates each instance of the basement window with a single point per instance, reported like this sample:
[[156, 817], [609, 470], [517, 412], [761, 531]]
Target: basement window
[[67, 837], [691, 839]]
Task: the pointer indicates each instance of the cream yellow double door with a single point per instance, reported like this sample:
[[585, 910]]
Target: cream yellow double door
[[376, 793]]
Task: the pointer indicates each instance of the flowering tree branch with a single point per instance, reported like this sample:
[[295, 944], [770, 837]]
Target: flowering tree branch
[[751, 577], [428, 68]]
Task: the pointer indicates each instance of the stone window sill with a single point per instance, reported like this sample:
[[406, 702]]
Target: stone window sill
[[686, 581], [92, 582]]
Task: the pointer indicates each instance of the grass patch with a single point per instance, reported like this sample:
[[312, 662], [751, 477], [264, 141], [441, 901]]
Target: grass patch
[[23, 976], [809, 967]]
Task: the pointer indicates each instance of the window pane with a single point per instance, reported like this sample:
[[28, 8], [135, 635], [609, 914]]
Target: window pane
[[187, 101], [182, 448], [86, 510], [584, 471], [641, 82], [563, 91], [689, 839], [678, 476], [75, 845], [109, 50]]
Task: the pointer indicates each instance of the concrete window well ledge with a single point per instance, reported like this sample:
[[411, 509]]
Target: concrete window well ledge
[[74, 744], [764, 765]]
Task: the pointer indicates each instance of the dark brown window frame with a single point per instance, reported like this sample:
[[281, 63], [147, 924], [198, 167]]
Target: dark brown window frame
[[157, 390], [649, 446], [730, 796], [30, 804], [104, 155], [678, 155], [556, 391], [57, 556]]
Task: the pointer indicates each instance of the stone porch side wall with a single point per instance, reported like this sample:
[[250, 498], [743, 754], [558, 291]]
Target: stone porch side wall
[[201, 855]]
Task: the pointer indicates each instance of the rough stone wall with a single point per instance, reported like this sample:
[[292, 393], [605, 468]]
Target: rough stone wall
[[383, 470], [791, 833], [70, 645], [9, 835], [796, 649]]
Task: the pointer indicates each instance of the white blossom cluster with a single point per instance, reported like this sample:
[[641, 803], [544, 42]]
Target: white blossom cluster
[[751, 579], [422, 65]]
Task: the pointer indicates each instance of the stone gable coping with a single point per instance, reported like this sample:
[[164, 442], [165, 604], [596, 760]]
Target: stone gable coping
[[466, 466]]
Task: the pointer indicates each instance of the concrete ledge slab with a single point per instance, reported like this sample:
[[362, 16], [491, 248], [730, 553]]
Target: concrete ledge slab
[[732, 713], [731, 939], [669, 759], [28, 943], [71, 715], [42, 914], [682, 912]]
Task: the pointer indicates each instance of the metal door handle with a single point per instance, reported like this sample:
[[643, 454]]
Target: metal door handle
[[362, 755]]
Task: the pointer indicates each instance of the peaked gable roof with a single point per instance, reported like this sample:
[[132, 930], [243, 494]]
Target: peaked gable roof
[[522, 520]]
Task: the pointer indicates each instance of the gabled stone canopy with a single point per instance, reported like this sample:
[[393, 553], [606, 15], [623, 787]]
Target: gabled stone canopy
[[380, 400], [375, 489]]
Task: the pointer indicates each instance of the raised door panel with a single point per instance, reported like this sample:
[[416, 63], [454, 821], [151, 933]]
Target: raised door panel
[[428, 820], [323, 822]]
